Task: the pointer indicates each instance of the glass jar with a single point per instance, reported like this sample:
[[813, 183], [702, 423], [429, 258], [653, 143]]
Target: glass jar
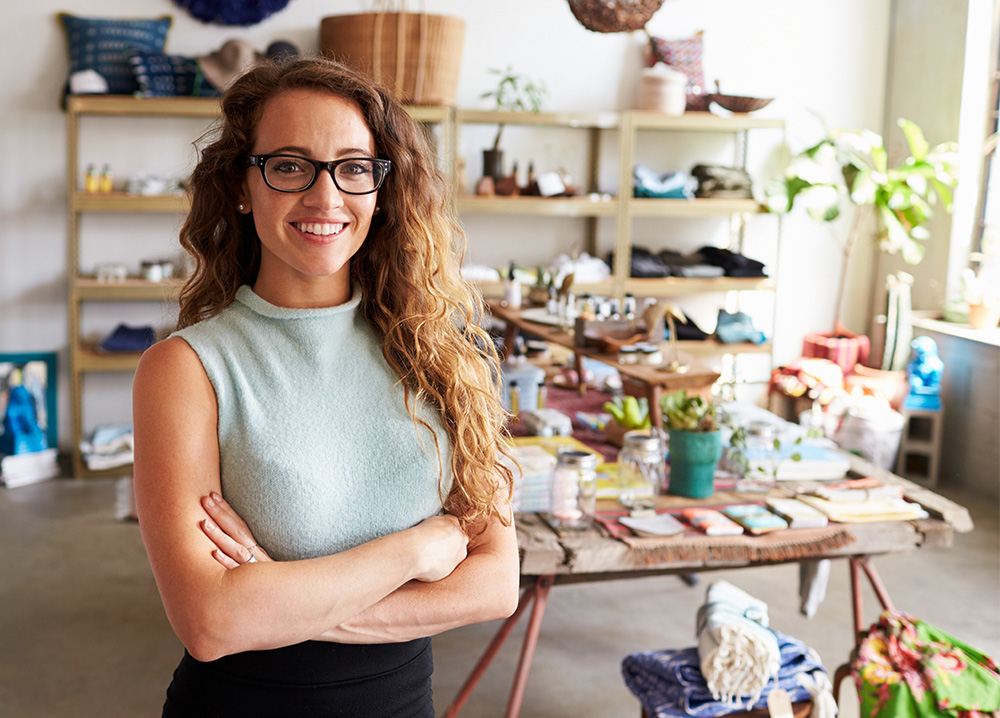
[[760, 461], [573, 490], [641, 473], [628, 354]]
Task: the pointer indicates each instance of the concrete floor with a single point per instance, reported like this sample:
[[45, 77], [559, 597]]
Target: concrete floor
[[82, 631]]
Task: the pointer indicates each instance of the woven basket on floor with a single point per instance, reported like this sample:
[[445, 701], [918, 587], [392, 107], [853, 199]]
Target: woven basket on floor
[[614, 15], [416, 55]]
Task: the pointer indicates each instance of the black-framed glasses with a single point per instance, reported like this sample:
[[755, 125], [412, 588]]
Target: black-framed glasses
[[291, 173]]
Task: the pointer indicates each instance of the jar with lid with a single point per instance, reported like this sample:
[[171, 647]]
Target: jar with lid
[[650, 354], [641, 474], [628, 354], [760, 458], [573, 487]]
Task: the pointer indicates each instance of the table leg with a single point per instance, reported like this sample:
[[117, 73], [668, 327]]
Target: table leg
[[542, 589], [535, 593], [857, 564]]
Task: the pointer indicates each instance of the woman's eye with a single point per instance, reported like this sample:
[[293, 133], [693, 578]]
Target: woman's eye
[[356, 168], [287, 167]]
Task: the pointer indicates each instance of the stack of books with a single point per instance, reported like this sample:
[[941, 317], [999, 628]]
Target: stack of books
[[531, 481]]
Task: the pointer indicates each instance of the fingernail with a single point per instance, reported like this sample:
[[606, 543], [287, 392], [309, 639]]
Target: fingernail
[[216, 496], [209, 525], [209, 502]]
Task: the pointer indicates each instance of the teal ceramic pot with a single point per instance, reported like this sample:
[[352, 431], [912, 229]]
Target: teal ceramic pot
[[693, 456]]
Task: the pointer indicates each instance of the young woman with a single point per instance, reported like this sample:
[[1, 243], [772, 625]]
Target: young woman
[[330, 387]]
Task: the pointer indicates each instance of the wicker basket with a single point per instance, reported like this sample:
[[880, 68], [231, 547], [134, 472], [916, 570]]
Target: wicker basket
[[415, 55], [614, 15]]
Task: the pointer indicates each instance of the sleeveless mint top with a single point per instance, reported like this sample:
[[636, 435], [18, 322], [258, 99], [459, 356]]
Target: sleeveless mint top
[[318, 451]]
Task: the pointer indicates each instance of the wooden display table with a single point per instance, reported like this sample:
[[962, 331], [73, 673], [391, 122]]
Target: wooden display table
[[638, 379], [550, 558]]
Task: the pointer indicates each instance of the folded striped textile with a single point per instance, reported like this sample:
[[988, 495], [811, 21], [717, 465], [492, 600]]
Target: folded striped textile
[[670, 683], [738, 651]]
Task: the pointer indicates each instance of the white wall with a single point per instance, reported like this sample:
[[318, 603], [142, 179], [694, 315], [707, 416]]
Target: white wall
[[826, 57]]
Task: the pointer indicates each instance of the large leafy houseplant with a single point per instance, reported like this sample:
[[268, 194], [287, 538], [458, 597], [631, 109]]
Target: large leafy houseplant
[[852, 168]]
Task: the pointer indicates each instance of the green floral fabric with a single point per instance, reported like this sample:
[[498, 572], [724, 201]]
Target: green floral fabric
[[907, 668]]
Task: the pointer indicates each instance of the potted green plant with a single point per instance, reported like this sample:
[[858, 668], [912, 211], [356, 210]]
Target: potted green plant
[[852, 168], [513, 93], [627, 414], [693, 423]]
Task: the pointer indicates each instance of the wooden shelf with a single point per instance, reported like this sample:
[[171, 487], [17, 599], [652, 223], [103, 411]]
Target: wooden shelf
[[427, 113], [131, 289], [711, 347], [680, 208], [599, 120], [88, 359], [129, 106], [702, 122], [123, 202], [539, 206], [662, 288], [684, 286]]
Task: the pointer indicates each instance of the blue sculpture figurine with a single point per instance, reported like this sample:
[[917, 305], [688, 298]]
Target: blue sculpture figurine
[[924, 374]]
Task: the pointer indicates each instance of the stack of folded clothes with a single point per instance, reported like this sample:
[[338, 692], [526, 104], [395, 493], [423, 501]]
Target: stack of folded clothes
[[733, 264], [722, 182], [706, 262], [739, 660]]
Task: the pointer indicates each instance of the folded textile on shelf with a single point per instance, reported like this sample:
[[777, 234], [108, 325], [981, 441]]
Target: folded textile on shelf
[[110, 446], [670, 683], [738, 651]]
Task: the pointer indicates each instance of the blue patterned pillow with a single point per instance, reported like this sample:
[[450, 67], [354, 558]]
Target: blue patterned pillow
[[102, 45], [161, 75]]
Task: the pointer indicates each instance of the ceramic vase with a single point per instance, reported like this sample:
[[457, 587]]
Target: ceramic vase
[[493, 164], [693, 456]]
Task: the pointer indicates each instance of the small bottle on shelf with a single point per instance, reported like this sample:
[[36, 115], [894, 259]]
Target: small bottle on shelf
[[91, 182], [106, 183]]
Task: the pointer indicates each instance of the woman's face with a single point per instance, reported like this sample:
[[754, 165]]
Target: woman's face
[[308, 238]]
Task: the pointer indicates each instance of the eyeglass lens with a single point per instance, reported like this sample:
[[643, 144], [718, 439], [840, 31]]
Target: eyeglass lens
[[355, 176]]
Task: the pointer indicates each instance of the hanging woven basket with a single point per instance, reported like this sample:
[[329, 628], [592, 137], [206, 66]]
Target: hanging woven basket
[[614, 15]]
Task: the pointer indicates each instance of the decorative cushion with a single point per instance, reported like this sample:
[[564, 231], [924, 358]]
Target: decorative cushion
[[102, 45], [683, 55], [161, 75]]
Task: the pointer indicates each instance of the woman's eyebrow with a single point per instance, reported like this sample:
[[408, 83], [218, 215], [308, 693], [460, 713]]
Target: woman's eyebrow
[[343, 152]]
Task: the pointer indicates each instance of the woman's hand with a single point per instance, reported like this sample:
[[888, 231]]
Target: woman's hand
[[441, 543], [443, 546], [235, 545]]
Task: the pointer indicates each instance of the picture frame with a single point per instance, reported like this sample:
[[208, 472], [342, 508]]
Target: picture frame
[[38, 372]]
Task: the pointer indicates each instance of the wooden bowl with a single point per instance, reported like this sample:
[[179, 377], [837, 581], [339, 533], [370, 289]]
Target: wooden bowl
[[739, 103]]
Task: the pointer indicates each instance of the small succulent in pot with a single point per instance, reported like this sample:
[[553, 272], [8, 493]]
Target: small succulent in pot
[[689, 413]]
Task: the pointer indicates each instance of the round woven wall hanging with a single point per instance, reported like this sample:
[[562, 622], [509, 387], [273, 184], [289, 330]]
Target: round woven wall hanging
[[232, 12], [614, 15]]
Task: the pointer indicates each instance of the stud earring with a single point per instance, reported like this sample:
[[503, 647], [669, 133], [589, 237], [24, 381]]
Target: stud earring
[[240, 207]]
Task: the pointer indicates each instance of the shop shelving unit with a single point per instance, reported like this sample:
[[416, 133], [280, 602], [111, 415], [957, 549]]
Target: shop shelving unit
[[624, 208]]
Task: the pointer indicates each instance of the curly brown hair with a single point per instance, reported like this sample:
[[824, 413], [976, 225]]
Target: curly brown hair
[[425, 314]]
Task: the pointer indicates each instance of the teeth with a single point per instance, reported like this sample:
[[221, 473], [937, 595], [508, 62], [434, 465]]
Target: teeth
[[322, 230]]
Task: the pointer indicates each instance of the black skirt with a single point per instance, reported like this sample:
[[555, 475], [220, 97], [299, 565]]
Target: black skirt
[[315, 678]]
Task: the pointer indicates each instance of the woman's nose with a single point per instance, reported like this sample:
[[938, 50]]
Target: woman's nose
[[324, 193]]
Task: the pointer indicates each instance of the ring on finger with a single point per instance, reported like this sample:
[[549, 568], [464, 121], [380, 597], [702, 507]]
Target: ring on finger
[[253, 559]]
